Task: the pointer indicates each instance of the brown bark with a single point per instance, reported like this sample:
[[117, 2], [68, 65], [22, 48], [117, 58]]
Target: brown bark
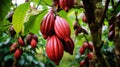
[[117, 42], [95, 15]]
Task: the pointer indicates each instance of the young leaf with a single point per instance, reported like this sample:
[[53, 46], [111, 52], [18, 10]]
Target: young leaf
[[19, 16]]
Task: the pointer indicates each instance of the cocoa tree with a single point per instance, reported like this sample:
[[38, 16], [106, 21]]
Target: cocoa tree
[[62, 25]]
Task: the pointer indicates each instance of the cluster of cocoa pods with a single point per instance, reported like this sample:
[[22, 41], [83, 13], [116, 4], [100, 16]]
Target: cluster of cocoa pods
[[64, 4], [111, 33], [16, 47], [77, 27], [56, 31], [87, 49]]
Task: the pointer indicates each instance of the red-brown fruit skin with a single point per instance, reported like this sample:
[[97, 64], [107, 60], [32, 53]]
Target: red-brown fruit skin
[[90, 55], [66, 4], [111, 35], [90, 46], [21, 41], [54, 49], [12, 31], [29, 38], [69, 46], [82, 63], [47, 24], [85, 45], [62, 28], [17, 53], [84, 18], [13, 47], [35, 37], [33, 43], [81, 50]]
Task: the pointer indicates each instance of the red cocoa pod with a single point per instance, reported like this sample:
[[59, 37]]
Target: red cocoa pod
[[12, 31], [33, 43], [82, 63], [85, 45], [84, 18], [54, 49], [111, 27], [62, 28], [81, 50], [47, 24], [21, 41], [17, 53], [69, 46], [66, 4], [29, 38], [35, 37], [90, 55], [111, 35], [75, 25], [13, 47], [90, 46]]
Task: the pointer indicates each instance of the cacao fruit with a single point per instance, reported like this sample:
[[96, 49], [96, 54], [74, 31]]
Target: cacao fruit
[[85, 45], [29, 38], [54, 49], [62, 28], [17, 53], [33, 43], [90, 46], [90, 55], [82, 63], [81, 50], [35, 37], [12, 31], [69, 46], [84, 18], [13, 47], [21, 41], [66, 4], [47, 24], [111, 35]]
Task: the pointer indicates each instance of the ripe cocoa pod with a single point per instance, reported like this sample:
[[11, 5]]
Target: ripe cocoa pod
[[90, 46], [62, 28], [82, 63], [47, 24], [85, 45], [69, 46], [81, 50], [17, 53], [12, 31], [13, 47], [35, 37], [66, 4], [54, 49], [90, 55], [111, 35], [21, 41], [33, 43], [29, 38], [84, 18], [111, 27]]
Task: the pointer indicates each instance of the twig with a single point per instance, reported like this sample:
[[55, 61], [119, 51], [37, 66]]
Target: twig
[[105, 10]]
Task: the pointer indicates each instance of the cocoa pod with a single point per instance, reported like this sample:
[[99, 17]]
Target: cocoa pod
[[12, 31], [47, 24], [62, 28], [54, 49], [21, 41], [13, 47], [81, 50], [111, 27], [82, 63], [90, 55], [69, 46], [111, 35], [90, 46], [66, 4], [33, 43], [29, 38], [84, 18], [85, 45], [17, 53]]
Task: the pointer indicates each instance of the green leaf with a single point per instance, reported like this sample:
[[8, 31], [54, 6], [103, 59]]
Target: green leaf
[[4, 8], [33, 25], [19, 17], [4, 25]]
